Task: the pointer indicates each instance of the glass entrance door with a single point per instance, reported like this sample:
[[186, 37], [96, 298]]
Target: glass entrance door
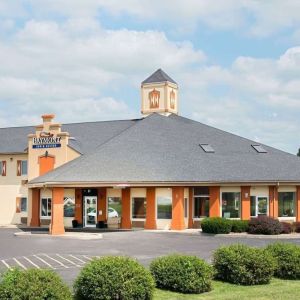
[[90, 211], [259, 206]]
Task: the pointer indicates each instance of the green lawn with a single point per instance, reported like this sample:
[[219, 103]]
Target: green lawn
[[277, 289]]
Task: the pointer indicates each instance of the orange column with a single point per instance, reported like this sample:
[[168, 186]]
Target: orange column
[[125, 219], [35, 208], [298, 204], [177, 208], [102, 204], [78, 205], [57, 213], [214, 201], [150, 209], [245, 195], [273, 202], [191, 198]]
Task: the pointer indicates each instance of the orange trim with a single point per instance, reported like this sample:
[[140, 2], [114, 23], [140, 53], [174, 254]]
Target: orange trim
[[18, 205], [3, 173], [191, 200], [35, 210], [125, 219], [298, 204], [214, 201], [19, 166], [101, 204], [150, 209], [273, 201], [177, 208], [46, 164], [245, 202], [57, 213], [78, 205]]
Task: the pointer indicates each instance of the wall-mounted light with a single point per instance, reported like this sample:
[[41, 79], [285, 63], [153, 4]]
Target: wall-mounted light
[[11, 159], [246, 195]]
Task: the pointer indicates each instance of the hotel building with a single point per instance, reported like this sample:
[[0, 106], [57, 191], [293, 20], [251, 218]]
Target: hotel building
[[161, 171]]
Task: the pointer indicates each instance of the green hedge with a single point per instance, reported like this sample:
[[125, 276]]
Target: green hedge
[[287, 260], [241, 264], [182, 273], [216, 225], [239, 225], [33, 284], [114, 277]]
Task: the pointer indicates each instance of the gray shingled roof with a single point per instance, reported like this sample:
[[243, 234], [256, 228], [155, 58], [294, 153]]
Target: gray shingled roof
[[166, 149], [85, 136], [159, 76]]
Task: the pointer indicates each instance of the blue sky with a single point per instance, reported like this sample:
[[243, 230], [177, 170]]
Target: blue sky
[[237, 63]]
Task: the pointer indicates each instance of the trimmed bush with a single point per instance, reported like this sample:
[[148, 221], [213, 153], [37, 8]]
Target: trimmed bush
[[182, 273], [297, 227], [288, 260], [286, 227], [33, 284], [114, 277], [241, 264], [216, 225], [239, 226], [264, 225]]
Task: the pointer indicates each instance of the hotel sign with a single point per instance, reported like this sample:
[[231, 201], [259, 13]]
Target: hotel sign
[[46, 140]]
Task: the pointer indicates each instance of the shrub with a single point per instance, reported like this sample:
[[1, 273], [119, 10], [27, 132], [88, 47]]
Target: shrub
[[297, 227], [216, 225], [241, 264], [182, 273], [33, 284], [114, 277], [239, 226], [286, 227], [287, 260], [264, 225]]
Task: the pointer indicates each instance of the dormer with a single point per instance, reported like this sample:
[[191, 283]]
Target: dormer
[[159, 94]]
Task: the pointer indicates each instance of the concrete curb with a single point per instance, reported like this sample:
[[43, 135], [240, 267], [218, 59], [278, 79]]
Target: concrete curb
[[70, 235], [291, 236]]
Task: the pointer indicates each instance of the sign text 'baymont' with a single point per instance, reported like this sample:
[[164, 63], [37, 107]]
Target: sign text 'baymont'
[[46, 140]]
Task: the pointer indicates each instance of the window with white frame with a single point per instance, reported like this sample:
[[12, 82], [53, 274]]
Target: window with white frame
[[286, 204], [231, 204], [24, 167], [139, 208], [23, 204], [46, 205], [164, 207]]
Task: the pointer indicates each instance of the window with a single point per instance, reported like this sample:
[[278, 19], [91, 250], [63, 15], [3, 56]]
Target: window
[[139, 208], [69, 207], [23, 205], [114, 207], [207, 148], [46, 207], [3, 168], [259, 148], [164, 208], [201, 202], [24, 167], [286, 204], [231, 205], [259, 205]]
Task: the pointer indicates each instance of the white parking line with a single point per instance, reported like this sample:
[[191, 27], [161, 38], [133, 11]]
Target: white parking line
[[88, 258], [57, 261], [6, 264], [31, 262], [20, 264], [82, 261], [68, 260], [44, 262]]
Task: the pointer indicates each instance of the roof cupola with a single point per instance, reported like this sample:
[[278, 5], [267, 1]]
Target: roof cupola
[[159, 94]]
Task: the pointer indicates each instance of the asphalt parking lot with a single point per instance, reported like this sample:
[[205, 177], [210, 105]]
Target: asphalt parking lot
[[67, 256]]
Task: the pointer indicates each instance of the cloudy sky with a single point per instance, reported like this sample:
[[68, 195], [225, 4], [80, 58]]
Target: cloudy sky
[[237, 62]]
